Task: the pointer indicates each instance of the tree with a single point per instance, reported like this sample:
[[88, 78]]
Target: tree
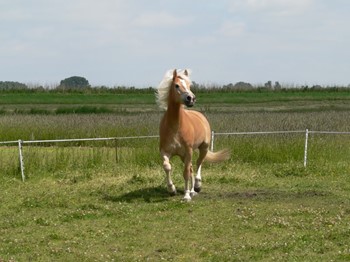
[[268, 85], [277, 86], [10, 85], [74, 82], [242, 86]]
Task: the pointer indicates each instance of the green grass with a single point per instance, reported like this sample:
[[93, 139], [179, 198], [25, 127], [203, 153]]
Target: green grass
[[107, 201], [288, 101], [79, 204], [63, 103], [72, 98]]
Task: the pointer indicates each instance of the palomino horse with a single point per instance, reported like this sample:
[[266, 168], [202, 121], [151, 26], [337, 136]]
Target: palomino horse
[[182, 131]]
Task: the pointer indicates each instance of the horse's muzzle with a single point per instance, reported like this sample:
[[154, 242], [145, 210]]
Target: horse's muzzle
[[189, 100]]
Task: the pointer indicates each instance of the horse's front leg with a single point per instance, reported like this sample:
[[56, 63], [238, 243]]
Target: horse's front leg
[[167, 169], [189, 179]]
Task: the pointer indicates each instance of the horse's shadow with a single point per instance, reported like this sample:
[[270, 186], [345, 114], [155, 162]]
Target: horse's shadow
[[147, 195], [160, 194]]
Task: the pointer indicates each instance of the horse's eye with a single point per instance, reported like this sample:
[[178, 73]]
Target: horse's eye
[[177, 86]]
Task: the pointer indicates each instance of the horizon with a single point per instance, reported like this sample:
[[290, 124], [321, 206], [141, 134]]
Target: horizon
[[53, 86]]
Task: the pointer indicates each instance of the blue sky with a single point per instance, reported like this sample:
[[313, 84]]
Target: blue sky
[[133, 42]]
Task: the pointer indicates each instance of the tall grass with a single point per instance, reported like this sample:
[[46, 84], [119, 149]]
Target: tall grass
[[30, 127], [9, 164], [258, 149], [279, 121], [283, 154]]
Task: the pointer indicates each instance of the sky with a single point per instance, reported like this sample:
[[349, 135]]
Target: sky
[[134, 42]]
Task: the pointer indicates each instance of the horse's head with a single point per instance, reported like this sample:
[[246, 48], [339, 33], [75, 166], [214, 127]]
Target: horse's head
[[182, 84]]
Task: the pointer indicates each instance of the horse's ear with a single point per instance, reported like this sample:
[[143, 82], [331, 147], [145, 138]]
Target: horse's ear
[[186, 72], [174, 74]]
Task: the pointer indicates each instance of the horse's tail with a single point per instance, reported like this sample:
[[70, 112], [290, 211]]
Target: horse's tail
[[215, 157]]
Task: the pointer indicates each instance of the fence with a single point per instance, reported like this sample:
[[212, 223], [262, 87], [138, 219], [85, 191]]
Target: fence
[[20, 142]]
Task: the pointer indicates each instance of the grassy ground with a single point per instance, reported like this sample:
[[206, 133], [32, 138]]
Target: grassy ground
[[86, 204], [99, 210], [103, 201]]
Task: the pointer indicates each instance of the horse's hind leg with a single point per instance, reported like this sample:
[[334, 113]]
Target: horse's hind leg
[[198, 178], [167, 169]]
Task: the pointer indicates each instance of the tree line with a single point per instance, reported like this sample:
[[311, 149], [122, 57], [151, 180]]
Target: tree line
[[77, 84]]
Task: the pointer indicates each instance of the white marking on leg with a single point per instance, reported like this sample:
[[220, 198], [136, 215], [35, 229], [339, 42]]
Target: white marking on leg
[[199, 172], [188, 174], [167, 169], [187, 196], [198, 181], [192, 192]]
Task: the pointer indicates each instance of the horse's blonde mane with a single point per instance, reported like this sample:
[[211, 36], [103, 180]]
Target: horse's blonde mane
[[162, 92]]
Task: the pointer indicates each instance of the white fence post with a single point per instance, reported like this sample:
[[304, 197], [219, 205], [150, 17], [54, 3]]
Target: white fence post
[[212, 141], [21, 164], [305, 148]]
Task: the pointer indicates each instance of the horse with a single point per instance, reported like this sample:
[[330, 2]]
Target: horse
[[182, 131]]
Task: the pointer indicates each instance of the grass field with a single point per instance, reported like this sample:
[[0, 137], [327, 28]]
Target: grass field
[[63, 103], [80, 205], [103, 201]]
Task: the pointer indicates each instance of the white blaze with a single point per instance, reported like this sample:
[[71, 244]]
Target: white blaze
[[184, 84]]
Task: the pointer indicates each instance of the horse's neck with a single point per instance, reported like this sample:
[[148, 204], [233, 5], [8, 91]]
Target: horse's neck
[[174, 112]]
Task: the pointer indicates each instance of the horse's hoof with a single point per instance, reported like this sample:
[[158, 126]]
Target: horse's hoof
[[172, 190], [198, 185], [197, 189], [187, 198], [192, 194]]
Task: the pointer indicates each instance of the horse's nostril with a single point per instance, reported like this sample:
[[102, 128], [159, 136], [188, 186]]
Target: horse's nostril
[[189, 98]]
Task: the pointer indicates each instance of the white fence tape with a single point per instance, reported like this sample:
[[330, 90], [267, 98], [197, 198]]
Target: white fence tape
[[20, 142]]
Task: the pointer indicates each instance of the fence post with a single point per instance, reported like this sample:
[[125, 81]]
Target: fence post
[[305, 148], [212, 141], [21, 164]]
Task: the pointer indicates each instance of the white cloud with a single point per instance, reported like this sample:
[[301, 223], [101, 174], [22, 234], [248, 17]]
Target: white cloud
[[277, 7], [232, 29], [162, 19], [108, 41], [92, 12]]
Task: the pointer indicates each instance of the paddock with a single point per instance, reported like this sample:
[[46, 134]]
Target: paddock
[[79, 202]]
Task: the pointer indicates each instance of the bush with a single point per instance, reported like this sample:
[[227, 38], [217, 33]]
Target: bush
[[9, 85], [74, 82]]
